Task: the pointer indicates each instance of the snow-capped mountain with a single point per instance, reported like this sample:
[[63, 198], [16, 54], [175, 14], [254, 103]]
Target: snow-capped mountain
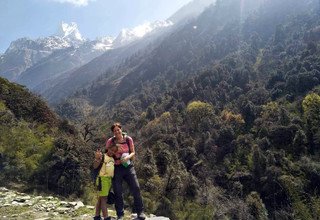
[[190, 10], [104, 43], [70, 32], [24, 53], [127, 36], [68, 43], [68, 59]]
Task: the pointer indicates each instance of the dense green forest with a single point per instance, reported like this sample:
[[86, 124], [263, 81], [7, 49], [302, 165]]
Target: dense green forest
[[37, 148], [225, 118]]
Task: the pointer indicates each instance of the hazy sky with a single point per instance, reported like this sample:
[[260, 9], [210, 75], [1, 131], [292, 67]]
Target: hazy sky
[[40, 18]]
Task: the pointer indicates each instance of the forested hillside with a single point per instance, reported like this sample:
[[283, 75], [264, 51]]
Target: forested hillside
[[36, 147], [226, 113]]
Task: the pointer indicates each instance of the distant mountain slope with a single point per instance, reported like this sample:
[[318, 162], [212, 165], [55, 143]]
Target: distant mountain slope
[[70, 82], [31, 62], [45, 65], [128, 43], [216, 33], [189, 48], [58, 63], [190, 11], [24, 53]]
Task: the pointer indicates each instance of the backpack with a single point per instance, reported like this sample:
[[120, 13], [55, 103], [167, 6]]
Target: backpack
[[125, 136]]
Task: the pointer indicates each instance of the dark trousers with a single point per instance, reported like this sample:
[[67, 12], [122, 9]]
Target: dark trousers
[[129, 175]]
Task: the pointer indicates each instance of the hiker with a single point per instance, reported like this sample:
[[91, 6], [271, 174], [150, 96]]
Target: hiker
[[124, 170], [105, 163]]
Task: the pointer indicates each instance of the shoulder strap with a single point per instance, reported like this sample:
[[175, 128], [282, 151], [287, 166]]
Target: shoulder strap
[[128, 143], [113, 140]]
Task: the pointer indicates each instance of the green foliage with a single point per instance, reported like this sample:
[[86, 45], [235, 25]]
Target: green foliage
[[294, 187], [149, 202], [193, 210], [65, 169], [199, 113], [251, 148], [311, 110], [2, 106], [256, 206], [24, 104], [89, 195], [23, 150], [254, 142], [315, 206], [311, 113]]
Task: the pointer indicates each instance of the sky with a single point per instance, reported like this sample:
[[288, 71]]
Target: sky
[[95, 18]]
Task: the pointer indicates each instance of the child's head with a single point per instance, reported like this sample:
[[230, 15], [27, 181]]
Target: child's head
[[112, 149]]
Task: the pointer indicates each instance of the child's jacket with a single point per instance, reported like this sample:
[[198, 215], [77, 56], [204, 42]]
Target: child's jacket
[[107, 168]]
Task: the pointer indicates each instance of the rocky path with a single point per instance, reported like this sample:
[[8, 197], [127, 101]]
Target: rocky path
[[16, 205]]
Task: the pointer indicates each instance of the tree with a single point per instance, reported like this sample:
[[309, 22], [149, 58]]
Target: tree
[[311, 114], [199, 112], [151, 114], [256, 206]]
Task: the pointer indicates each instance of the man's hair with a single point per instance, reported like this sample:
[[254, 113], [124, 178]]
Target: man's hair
[[117, 124]]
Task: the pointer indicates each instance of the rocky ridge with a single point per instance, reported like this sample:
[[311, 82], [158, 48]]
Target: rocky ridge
[[17, 205]]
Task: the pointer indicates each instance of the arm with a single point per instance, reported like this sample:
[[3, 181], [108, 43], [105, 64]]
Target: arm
[[97, 158], [108, 144], [132, 151]]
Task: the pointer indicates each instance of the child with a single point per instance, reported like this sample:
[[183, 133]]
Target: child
[[104, 180]]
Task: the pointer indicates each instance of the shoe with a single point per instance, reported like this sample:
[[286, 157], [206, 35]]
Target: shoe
[[142, 216], [107, 218], [97, 217]]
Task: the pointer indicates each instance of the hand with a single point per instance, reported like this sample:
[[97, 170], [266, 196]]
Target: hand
[[125, 159], [98, 155], [110, 153]]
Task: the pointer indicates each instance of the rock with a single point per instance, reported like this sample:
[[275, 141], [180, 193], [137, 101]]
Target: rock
[[89, 207], [65, 204], [14, 203], [62, 210], [42, 208], [42, 201], [73, 203], [79, 205], [3, 189], [19, 200]]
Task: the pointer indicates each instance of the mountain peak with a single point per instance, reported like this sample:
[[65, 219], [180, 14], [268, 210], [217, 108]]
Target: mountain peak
[[127, 35], [69, 32]]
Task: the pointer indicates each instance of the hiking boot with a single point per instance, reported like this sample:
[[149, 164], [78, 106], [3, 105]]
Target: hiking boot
[[121, 217], [142, 216], [97, 217]]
